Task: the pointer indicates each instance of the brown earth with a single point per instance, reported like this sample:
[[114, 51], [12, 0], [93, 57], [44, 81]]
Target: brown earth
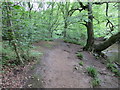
[[59, 68]]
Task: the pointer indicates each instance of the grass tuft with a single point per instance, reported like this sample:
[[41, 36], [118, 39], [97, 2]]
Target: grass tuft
[[95, 82], [81, 63], [92, 71], [79, 55]]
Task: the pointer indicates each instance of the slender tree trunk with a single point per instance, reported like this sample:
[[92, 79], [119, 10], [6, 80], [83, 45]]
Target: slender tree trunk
[[102, 46], [65, 30], [11, 32], [8, 21], [90, 33]]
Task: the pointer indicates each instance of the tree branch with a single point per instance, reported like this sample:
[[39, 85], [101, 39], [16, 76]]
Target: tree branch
[[83, 7], [107, 5], [81, 4], [98, 3], [17, 3], [96, 20], [111, 26], [73, 10]]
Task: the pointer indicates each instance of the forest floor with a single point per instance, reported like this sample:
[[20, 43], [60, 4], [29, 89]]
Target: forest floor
[[59, 68]]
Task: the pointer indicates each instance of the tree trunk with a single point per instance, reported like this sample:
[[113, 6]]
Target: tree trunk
[[65, 29], [90, 33], [102, 46]]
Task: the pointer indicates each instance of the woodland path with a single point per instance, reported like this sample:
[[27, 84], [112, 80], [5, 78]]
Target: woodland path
[[57, 68]]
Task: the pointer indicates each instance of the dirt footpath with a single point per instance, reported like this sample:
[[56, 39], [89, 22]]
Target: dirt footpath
[[59, 68]]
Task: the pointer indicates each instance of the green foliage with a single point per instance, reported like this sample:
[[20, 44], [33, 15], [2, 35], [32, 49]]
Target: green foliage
[[47, 39], [102, 18], [72, 41], [0, 53], [113, 69], [110, 66], [79, 55], [0, 48], [47, 23], [95, 82], [8, 56], [92, 71], [35, 54], [81, 63], [94, 74]]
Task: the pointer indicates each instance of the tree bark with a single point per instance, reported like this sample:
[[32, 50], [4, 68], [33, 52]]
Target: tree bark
[[90, 33], [65, 29], [102, 46]]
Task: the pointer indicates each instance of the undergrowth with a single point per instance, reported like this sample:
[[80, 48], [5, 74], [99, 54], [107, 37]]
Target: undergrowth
[[9, 57], [95, 82], [113, 68], [0, 53], [72, 41], [92, 71], [94, 74]]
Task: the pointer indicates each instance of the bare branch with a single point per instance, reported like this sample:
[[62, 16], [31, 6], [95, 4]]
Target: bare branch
[[81, 4], [107, 5], [70, 12], [98, 3], [83, 7], [17, 3], [97, 20]]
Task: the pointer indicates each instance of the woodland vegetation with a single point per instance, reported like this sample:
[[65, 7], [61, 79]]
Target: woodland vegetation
[[81, 23]]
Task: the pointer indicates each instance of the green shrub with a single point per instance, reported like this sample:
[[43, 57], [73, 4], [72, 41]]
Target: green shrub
[[8, 56], [92, 71]]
